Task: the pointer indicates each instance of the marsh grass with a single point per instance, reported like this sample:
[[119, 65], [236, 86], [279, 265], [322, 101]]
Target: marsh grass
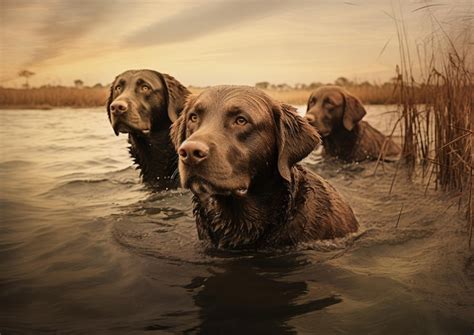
[[373, 94], [436, 113], [50, 97]]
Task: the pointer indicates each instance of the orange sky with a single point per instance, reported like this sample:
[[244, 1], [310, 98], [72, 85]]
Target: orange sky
[[211, 42]]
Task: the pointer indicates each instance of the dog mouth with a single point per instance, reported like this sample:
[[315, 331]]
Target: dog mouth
[[201, 186], [120, 126]]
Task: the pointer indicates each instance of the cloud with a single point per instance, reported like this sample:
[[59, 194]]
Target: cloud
[[65, 24], [192, 23]]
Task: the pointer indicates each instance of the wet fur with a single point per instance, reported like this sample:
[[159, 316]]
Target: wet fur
[[309, 209], [156, 159], [363, 142], [286, 204], [154, 154], [350, 139]]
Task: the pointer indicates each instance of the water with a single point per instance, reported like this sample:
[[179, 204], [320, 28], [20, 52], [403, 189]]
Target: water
[[84, 247]]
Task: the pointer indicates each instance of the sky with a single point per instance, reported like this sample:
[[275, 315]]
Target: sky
[[210, 42]]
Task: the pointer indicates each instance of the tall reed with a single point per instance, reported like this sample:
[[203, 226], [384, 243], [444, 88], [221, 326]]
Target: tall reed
[[436, 113]]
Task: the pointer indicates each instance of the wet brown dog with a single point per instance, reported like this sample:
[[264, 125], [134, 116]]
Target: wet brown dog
[[143, 104], [238, 153], [337, 116]]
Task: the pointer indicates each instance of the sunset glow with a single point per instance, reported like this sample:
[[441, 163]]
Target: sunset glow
[[209, 42]]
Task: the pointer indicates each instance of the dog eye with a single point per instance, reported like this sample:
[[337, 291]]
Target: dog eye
[[330, 109], [118, 88], [193, 117], [145, 88], [328, 103], [240, 121]]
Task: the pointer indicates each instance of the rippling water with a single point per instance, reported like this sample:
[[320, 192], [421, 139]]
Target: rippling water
[[85, 247]]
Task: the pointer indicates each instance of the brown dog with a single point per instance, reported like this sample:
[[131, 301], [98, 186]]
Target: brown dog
[[238, 151], [143, 104], [337, 116]]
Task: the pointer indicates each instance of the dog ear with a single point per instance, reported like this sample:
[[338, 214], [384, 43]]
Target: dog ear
[[178, 128], [178, 131], [309, 101], [176, 95], [354, 111], [110, 99], [296, 138]]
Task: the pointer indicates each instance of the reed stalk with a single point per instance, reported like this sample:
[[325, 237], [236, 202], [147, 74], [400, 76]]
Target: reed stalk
[[436, 112]]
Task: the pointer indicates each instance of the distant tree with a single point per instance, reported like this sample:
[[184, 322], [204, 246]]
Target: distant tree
[[262, 85], [300, 86], [26, 74], [98, 85], [314, 86], [342, 81], [78, 83], [283, 87]]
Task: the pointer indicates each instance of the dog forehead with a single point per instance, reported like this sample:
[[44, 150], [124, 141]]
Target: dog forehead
[[224, 99], [134, 76], [333, 93]]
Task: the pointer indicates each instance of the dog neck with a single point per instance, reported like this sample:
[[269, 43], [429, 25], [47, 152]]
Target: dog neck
[[156, 158], [246, 222], [341, 142]]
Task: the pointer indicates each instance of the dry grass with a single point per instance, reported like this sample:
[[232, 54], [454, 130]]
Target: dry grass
[[437, 135], [372, 94], [291, 97], [50, 97], [368, 95]]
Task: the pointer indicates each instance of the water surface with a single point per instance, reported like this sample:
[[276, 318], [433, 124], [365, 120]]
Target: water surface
[[85, 247]]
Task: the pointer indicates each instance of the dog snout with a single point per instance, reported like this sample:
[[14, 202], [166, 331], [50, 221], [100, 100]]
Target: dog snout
[[118, 107], [193, 152]]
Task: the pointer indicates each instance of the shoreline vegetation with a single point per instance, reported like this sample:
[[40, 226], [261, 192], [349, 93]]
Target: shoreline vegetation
[[435, 109], [48, 97], [437, 131]]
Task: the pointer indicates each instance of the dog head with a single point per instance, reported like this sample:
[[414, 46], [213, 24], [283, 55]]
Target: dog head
[[142, 101], [330, 107], [228, 136]]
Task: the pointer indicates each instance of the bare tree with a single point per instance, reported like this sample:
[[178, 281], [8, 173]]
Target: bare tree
[[27, 74]]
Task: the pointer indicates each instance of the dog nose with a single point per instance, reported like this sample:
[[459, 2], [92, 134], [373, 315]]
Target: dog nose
[[118, 107], [310, 118], [193, 152]]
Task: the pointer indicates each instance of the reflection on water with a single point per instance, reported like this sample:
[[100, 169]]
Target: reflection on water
[[225, 303], [84, 247]]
